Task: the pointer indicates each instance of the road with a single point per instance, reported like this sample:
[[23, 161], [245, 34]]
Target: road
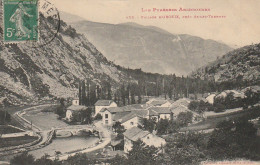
[[210, 123], [46, 133]]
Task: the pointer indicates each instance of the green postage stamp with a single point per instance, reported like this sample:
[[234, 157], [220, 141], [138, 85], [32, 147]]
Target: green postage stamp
[[20, 20]]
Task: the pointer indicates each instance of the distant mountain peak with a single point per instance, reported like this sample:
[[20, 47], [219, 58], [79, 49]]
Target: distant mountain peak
[[151, 48]]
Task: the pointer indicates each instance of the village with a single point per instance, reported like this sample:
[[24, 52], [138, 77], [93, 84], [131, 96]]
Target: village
[[131, 122], [115, 129]]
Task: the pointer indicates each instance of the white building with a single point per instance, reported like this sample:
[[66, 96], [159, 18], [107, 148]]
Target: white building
[[211, 98], [112, 114], [131, 120], [75, 101], [100, 104], [133, 134], [159, 113]]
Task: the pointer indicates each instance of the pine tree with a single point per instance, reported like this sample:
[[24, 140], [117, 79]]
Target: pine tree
[[122, 92], [80, 94], [84, 97]]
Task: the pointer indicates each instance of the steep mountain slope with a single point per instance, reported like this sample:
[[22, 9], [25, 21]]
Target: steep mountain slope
[[150, 48], [239, 64], [28, 74]]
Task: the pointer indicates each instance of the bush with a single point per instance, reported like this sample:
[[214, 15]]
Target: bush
[[234, 139], [184, 118], [22, 159]]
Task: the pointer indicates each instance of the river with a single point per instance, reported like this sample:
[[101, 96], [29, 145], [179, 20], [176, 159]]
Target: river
[[65, 145]]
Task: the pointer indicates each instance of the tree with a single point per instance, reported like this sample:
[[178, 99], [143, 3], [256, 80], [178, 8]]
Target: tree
[[184, 149], [44, 160], [142, 154], [234, 139], [109, 92], [88, 114], [149, 124], [60, 110], [22, 159], [83, 93], [118, 160], [80, 159], [118, 127], [80, 93], [122, 92], [173, 126], [132, 98], [184, 118], [162, 126]]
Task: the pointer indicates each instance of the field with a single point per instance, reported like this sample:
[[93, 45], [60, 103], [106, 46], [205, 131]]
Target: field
[[44, 120], [4, 129], [8, 142]]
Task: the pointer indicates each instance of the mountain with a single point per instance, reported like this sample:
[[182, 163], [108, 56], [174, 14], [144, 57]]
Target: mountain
[[239, 64], [150, 48], [54, 70]]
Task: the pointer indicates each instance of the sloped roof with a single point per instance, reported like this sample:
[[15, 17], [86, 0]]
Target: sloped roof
[[158, 102], [183, 101], [76, 107], [128, 117], [141, 113], [120, 115], [135, 133], [104, 102], [132, 114], [115, 109], [135, 106], [159, 110]]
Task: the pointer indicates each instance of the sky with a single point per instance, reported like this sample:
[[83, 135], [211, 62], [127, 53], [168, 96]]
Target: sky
[[241, 25]]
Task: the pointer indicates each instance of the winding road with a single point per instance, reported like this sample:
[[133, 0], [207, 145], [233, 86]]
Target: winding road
[[46, 135]]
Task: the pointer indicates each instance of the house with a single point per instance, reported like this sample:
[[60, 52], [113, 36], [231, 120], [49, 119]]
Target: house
[[181, 102], [133, 134], [168, 103], [75, 101], [112, 114], [133, 119], [234, 93], [159, 102], [73, 110], [159, 113], [100, 104], [181, 105], [211, 98]]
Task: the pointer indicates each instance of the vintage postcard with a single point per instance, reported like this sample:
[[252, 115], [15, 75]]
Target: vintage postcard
[[129, 82]]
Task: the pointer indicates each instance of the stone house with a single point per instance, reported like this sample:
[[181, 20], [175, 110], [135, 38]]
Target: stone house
[[133, 134], [100, 104]]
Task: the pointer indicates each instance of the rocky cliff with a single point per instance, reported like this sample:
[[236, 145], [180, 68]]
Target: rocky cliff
[[54, 70]]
